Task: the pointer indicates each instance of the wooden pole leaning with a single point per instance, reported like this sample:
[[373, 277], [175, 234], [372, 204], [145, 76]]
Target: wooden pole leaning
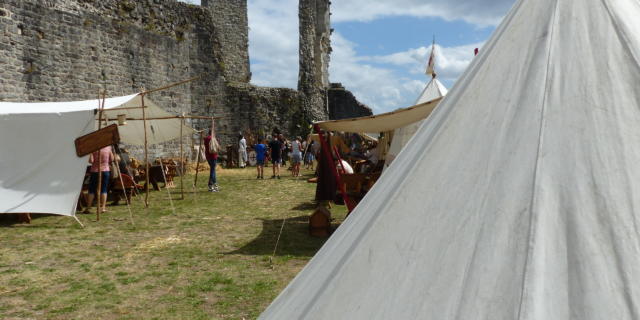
[[98, 195], [195, 181], [164, 177], [146, 152], [116, 165]]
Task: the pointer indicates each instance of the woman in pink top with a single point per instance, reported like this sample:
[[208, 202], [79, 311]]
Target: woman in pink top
[[106, 156]]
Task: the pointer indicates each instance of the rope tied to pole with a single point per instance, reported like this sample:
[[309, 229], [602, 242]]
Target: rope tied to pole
[[275, 248]]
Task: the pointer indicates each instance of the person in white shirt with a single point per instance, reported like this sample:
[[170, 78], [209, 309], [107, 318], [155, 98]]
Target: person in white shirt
[[296, 156], [242, 152]]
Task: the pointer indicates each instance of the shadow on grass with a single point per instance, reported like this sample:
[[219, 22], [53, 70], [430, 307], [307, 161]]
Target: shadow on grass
[[11, 219], [306, 206], [295, 239]]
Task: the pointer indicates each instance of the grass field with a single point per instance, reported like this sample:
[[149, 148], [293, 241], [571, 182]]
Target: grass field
[[210, 259]]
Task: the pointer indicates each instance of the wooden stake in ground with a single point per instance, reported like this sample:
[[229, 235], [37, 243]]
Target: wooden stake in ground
[[146, 153], [99, 188], [164, 177], [181, 160]]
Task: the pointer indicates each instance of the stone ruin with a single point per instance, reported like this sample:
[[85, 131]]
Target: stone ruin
[[62, 50]]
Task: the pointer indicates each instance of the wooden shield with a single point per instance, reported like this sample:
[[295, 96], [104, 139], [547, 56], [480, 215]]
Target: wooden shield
[[97, 140]]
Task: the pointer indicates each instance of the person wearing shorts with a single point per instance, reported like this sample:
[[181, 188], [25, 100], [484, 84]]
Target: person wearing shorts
[[100, 165], [261, 154], [296, 156], [276, 156]]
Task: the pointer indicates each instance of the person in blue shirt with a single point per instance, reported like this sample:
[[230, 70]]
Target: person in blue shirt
[[261, 151]]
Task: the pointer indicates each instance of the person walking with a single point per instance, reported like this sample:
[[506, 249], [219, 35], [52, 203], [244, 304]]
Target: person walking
[[242, 151], [211, 148], [100, 164], [261, 150], [310, 155], [276, 156], [296, 156]]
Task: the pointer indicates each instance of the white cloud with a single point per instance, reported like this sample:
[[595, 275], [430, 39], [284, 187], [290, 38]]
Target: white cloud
[[393, 81], [377, 87], [450, 61], [478, 12], [273, 42]]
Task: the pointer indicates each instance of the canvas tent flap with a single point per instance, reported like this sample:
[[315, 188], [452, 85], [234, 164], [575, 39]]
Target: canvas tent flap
[[382, 122], [39, 169], [518, 198]]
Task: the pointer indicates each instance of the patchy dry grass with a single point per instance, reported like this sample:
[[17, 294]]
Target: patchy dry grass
[[209, 260]]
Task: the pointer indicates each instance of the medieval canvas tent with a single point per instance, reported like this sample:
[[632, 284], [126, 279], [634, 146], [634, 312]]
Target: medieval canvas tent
[[401, 136], [519, 198], [432, 91], [39, 169]]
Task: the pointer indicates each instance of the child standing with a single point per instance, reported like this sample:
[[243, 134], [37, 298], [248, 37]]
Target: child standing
[[261, 150]]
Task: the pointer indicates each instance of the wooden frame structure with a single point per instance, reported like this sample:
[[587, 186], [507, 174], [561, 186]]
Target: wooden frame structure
[[144, 119]]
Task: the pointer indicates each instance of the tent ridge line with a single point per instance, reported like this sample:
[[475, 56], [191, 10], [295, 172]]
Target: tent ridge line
[[533, 218]]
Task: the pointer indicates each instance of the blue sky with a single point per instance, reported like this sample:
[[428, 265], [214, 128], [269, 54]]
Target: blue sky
[[380, 47]]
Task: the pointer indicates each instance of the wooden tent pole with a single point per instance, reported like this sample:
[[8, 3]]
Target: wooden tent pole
[[166, 118], [195, 182], [99, 188], [124, 190], [171, 85], [146, 153], [181, 160], [164, 177]]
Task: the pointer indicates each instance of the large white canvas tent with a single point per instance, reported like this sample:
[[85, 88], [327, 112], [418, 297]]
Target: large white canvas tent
[[518, 198], [39, 169]]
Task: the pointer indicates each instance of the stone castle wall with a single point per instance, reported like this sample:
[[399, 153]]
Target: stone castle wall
[[343, 104], [57, 50]]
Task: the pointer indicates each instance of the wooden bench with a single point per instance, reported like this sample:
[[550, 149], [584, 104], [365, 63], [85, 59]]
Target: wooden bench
[[130, 186]]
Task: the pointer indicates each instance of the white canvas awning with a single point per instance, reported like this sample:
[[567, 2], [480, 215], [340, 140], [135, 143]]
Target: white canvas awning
[[162, 126], [382, 122], [39, 169]]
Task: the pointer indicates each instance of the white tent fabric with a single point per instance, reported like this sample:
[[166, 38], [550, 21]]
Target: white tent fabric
[[39, 169], [433, 90], [401, 136], [158, 131], [518, 198], [381, 122]]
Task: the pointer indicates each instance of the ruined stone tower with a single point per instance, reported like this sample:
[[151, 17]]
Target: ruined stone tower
[[315, 48], [232, 29]]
